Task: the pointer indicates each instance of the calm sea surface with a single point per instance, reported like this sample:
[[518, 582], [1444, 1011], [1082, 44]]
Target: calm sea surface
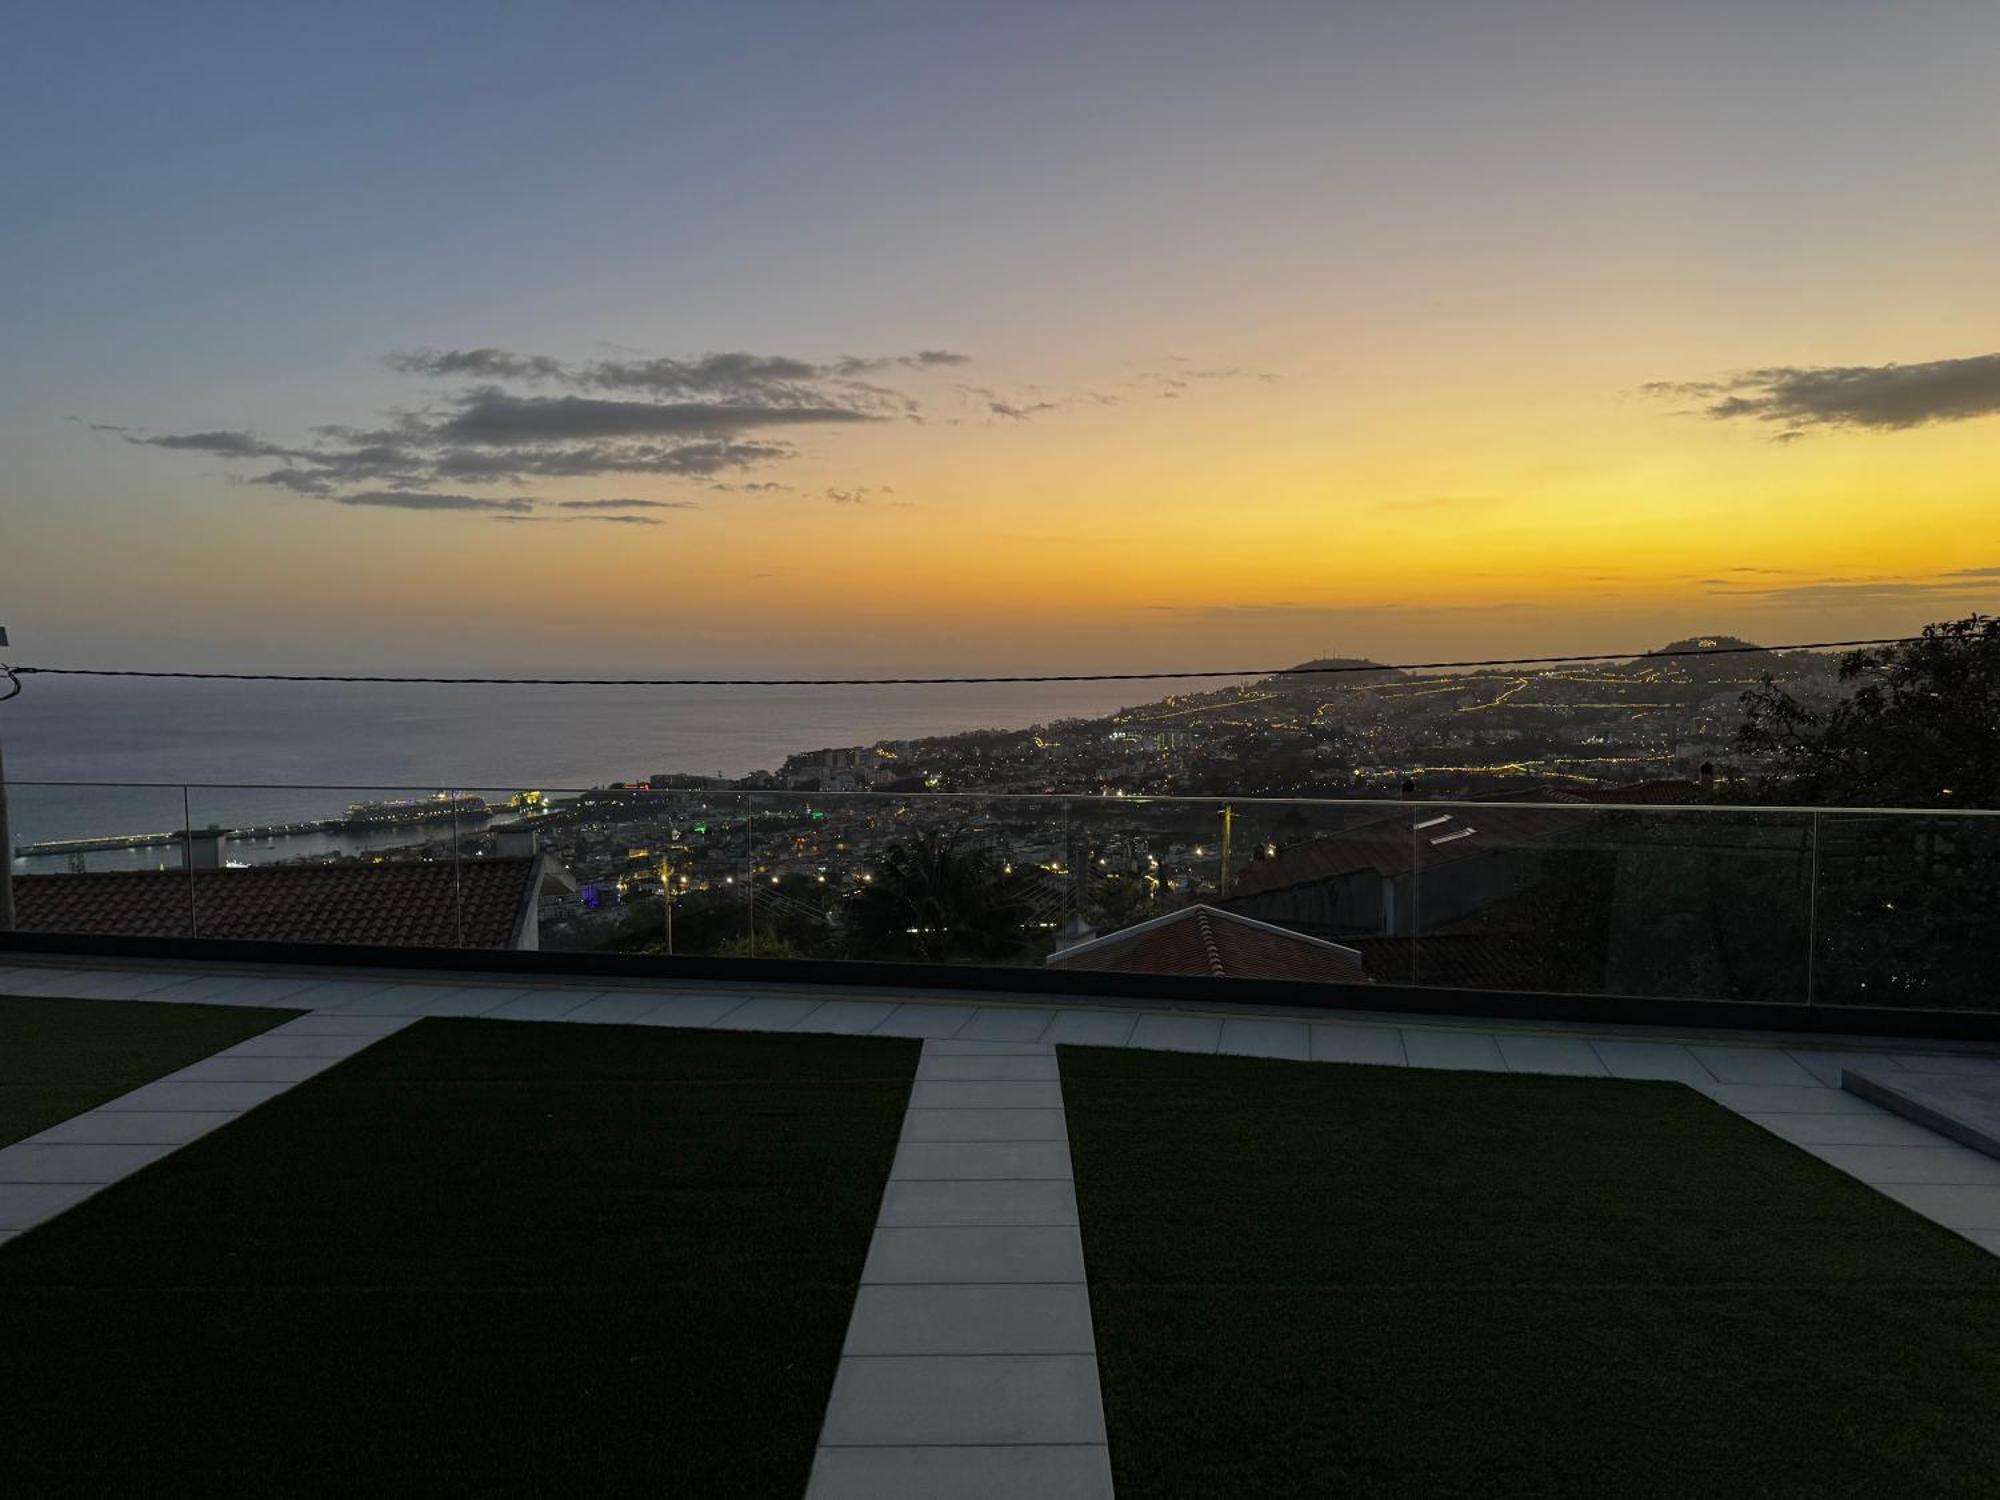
[[349, 742]]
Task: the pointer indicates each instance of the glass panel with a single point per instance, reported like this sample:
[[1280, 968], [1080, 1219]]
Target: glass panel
[[1690, 903], [1908, 909], [101, 859]]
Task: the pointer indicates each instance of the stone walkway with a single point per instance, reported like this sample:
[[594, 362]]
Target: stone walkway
[[1790, 1085], [970, 1367], [45, 1174]]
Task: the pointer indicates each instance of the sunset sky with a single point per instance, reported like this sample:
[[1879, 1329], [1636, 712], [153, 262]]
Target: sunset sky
[[830, 337]]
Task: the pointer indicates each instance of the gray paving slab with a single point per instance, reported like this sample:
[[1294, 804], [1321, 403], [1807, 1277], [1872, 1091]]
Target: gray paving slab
[[1752, 1065], [984, 1125], [221, 1069], [956, 1201], [541, 1005], [1879, 1128], [1827, 1067], [1778, 1099], [131, 986], [922, 1400], [277, 992], [968, 1161], [924, 1021], [36, 1160], [1986, 1239], [1007, 1024], [1955, 1207], [470, 1000], [977, 1093], [626, 1007], [9, 1234], [1668, 1062], [1568, 1055], [178, 1094], [686, 1011], [767, 1013], [1961, 1107], [1947, 1164], [1960, 1064], [1091, 1028], [395, 1000], [23, 1205], [283, 1041], [986, 1067], [847, 1017], [1469, 1051], [936, 1255], [1378, 1046], [336, 1023], [337, 994], [56, 984], [959, 1046], [140, 1127], [1167, 1033], [1022, 1318], [1287, 1040], [962, 1472], [224, 989]]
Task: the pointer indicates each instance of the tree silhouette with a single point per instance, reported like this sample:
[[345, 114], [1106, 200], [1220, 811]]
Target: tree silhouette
[[938, 897]]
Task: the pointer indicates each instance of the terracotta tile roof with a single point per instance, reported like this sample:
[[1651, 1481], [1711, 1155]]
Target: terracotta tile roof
[[396, 905], [1206, 942], [1427, 836]]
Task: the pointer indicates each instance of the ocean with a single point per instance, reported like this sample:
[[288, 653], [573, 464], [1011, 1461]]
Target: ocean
[[266, 753]]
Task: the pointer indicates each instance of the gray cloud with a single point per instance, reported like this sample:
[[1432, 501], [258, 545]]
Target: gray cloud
[[478, 364], [493, 417], [1888, 397], [418, 500], [626, 505], [222, 444]]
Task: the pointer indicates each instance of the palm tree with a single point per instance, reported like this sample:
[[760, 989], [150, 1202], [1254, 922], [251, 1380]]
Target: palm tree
[[939, 897]]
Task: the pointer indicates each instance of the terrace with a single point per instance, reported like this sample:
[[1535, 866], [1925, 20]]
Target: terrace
[[311, 1211]]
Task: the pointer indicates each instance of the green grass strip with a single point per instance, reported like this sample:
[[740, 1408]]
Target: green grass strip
[[1327, 1280], [478, 1258], [59, 1058]]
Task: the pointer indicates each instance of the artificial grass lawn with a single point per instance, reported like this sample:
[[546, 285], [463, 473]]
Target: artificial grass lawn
[[59, 1058], [480, 1257], [1311, 1279]]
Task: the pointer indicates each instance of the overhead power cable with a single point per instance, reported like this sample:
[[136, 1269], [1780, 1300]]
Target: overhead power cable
[[1327, 670]]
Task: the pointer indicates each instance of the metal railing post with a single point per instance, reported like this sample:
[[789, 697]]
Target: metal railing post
[[1812, 907], [457, 882]]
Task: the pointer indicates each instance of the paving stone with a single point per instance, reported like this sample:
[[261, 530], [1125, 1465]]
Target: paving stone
[[1470, 1051], [336, 994], [223, 989], [983, 1253], [980, 1094], [139, 1127], [173, 1094], [1551, 1054], [1752, 1065], [282, 1041], [847, 1017], [129, 986], [1777, 1099], [986, 1067], [1289, 1040], [768, 1013], [974, 1160], [1965, 1065], [1338, 1041], [23, 1205], [625, 1007], [1051, 1318], [73, 1161], [541, 1005], [1074, 1472], [470, 1000], [960, 1047], [334, 1023], [395, 1000], [56, 984], [924, 1020], [1667, 1061], [1946, 1163], [226, 1069], [1985, 1239], [984, 1125], [919, 1203], [1092, 1028], [695, 1011], [1877, 1129], [1165, 1033], [1828, 1066], [1007, 1024], [932, 1399], [1972, 1207]]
